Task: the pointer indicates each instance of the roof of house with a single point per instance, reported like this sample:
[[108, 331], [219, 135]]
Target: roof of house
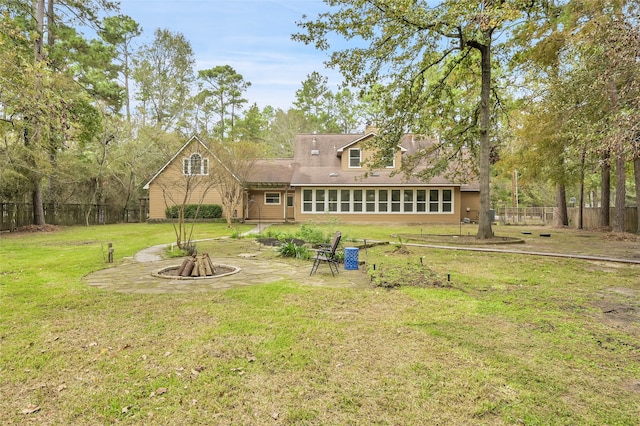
[[316, 162], [271, 172]]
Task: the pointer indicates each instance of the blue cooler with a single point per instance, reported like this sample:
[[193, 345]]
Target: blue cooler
[[351, 258]]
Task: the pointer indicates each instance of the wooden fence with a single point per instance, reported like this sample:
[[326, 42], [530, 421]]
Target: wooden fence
[[16, 215], [591, 218], [546, 216]]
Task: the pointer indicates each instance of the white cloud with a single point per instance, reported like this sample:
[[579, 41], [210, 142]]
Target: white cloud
[[252, 36]]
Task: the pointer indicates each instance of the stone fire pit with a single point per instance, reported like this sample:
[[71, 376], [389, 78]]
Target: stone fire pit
[[196, 267]]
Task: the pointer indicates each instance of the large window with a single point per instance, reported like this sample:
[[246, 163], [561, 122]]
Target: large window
[[195, 165], [357, 200], [355, 157]]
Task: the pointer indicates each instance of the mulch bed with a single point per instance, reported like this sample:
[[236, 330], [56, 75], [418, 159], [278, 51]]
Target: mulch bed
[[38, 228]]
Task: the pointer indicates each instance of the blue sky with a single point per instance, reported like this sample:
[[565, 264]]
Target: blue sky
[[252, 36]]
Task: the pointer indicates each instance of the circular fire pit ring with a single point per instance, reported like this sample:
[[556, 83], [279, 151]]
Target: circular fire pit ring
[[171, 272]]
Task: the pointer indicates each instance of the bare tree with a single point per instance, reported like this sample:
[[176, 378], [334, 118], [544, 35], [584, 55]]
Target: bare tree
[[234, 164]]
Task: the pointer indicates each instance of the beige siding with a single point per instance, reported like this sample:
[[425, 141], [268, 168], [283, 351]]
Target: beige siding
[[169, 187], [258, 209], [470, 206]]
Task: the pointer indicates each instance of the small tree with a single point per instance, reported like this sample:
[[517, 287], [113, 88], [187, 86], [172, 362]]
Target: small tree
[[229, 175], [191, 187]]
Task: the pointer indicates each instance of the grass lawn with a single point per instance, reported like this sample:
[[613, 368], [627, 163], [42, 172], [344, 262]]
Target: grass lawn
[[510, 339]]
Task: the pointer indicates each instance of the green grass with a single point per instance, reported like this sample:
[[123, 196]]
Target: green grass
[[513, 340]]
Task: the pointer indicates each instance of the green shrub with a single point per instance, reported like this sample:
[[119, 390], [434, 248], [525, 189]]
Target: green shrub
[[312, 235], [207, 211], [289, 249]]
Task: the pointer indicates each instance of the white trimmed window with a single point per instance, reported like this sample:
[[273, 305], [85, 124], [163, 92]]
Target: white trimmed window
[[195, 165], [378, 201], [355, 157], [440, 201], [272, 198]]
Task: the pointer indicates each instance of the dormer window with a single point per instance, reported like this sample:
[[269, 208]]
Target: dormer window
[[389, 162], [355, 157], [195, 165]]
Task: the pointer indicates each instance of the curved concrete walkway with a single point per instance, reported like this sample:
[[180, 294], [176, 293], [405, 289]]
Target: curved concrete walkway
[[533, 253]]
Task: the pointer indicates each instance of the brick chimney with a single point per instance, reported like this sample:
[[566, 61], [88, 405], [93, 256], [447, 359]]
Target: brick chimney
[[370, 128]]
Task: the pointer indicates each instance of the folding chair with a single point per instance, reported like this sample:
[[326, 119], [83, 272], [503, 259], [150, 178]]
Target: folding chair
[[327, 253]]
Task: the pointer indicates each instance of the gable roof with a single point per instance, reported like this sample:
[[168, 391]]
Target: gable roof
[[162, 169], [369, 135], [189, 142]]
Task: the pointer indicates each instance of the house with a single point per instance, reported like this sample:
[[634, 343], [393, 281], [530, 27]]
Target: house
[[327, 178]]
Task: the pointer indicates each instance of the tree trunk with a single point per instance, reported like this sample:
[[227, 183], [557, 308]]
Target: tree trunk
[[484, 223], [621, 194], [38, 203], [562, 217], [37, 197], [581, 202], [605, 190], [636, 172]]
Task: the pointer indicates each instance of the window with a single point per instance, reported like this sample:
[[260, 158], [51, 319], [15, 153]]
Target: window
[[389, 161], [376, 201], [408, 200], [320, 200], [383, 199], [272, 198], [395, 200], [421, 200], [333, 200], [357, 200], [289, 200], [440, 201], [434, 200], [195, 165], [307, 200], [345, 197], [355, 157], [447, 200], [371, 200]]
